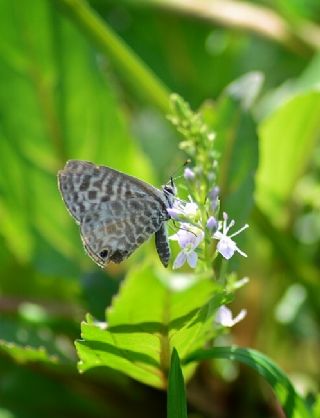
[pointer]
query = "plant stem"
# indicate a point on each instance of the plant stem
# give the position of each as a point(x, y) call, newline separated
point(141, 79)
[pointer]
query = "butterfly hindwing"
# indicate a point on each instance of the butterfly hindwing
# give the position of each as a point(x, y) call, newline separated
point(118, 228)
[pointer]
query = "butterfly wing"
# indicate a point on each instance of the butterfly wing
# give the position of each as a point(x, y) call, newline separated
point(85, 187)
point(116, 212)
point(112, 234)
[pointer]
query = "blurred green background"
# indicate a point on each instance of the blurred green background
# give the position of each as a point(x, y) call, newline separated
point(61, 97)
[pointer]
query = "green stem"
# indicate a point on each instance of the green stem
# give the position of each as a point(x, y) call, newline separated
point(132, 68)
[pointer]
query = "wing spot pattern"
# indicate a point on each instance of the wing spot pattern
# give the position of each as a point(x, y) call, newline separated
point(116, 212)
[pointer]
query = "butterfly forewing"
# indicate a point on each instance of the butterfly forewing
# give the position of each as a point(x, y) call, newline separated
point(116, 212)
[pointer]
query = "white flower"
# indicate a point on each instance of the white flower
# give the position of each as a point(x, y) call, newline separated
point(191, 208)
point(188, 239)
point(224, 317)
point(182, 210)
point(226, 246)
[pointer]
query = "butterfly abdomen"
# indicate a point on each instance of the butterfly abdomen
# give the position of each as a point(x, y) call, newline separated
point(162, 245)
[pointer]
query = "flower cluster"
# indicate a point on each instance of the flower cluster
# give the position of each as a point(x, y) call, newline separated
point(191, 232)
point(203, 231)
point(199, 215)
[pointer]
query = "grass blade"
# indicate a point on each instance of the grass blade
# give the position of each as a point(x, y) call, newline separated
point(176, 401)
point(293, 405)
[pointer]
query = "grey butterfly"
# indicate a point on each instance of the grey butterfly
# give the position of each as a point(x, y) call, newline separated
point(116, 212)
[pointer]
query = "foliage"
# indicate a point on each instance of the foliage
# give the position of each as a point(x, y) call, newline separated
point(139, 336)
point(176, 404)
point(82, 81)
point(292, 404)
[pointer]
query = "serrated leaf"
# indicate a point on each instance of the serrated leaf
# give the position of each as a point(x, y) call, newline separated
point(146, 319)
point(176, 398)
point(293, 404)
point(25, 354)
point(29, 338)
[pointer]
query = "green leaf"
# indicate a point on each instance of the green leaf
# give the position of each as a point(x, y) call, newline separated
point(310, 77)
point(152, 313)
point(128, 64)
point(176, 401)
point(316, 407)
point(62, 106)
point(287, 140)
point(6, 413)
point(46, 389)
point(13, 197)
point(25, 354)
point(292, 403)
point(29, 338)
point(308, 80)
point(237, 143)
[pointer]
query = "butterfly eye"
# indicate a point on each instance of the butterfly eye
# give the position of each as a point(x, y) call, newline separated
point(103, 254)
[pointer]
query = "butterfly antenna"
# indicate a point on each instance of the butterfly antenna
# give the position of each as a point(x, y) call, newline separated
point(188, 161)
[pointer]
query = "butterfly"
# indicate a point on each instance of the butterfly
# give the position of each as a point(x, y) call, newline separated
point(116, 212)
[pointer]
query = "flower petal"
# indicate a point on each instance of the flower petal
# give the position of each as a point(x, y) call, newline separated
point(191, 209)
point(240, 316)
point(199, 237)
point(186, 238)
point(226, 247)
point(192, 259)
point(224, 316)
point(180, 260)
point(174, 213)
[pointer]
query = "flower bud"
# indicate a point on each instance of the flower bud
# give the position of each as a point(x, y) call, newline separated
point(189, 174)
point(212, 223)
